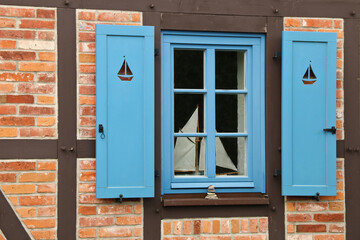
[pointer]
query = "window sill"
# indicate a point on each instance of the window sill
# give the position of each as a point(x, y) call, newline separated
point(172, 200)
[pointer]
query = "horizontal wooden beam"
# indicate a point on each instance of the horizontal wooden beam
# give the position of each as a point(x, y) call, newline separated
point(28, 149)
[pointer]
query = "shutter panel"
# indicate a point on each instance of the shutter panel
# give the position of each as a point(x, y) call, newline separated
point(125, 110)
point(308, 107)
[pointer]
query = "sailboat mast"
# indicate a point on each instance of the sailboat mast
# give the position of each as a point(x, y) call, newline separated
point(197, 140)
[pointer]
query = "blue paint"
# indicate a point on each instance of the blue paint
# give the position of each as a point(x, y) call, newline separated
point(125, 157)
point(254, 46)
point(308, 153)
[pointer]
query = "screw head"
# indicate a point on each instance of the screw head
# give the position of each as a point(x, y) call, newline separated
point(152, 5)
point(276, 10)
point(353, 13)
point(66, 2)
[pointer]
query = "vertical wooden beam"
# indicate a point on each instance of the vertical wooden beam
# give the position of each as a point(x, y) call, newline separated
point(67, 180)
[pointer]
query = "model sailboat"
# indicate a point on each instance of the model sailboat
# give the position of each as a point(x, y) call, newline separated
point(125, 73)
point(309, 76)
point(186, 157)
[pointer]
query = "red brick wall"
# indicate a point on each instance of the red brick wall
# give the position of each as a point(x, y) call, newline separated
point(307, 219)
point(27, 72)
point(215, 229)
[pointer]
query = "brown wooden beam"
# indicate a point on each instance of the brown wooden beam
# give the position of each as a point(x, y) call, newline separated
point(28, 149)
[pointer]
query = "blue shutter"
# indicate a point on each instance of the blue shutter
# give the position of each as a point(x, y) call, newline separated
point(125, 110)
point(308, 107)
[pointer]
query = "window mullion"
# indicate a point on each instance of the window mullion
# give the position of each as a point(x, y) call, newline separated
point(210, 112)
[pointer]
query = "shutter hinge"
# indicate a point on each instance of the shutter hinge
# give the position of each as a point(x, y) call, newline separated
point(156, 52)
point(120, 199)
point(317, 197)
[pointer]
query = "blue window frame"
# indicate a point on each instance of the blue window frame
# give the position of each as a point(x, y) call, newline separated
point(213, 114)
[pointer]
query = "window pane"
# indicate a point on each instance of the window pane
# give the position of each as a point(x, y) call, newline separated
point(189, 113)
point(189, 69)
point(230, 69)
point(230, 156)
point(189, 156)
point(230, 112)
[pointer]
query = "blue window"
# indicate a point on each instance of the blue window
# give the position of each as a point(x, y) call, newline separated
point(213, 115)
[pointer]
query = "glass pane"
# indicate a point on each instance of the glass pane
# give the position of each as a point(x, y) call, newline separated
point(189, 68)
point(189, 113)
point(230, 156)
point(230, 112)
point(229, 69)
point(189, 156)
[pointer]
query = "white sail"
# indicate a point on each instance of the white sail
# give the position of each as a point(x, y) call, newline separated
point(221, 157)
point(185, 147)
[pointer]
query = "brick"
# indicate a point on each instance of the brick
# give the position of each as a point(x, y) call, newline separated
point(114, 209)
point(87, 187)
point(330, 217)
point(87, 121)
point(87, 210)
point(17, 12)
point(87, 58)
point(7, 177)
point(45, 121)
point(339, 53)
point(7, 66)
point(290, 228)
point(167, 228)
point(329, 237)
point(338, 23)
point(138, 209)
point(235, 226)
point(18, 188)
point(225, 226)
point(7, 22)
point(187, 228)
point(87, 176)
point(340, 185)
point(291, 22)
point(339, 164)
point(337, 228)
point(299, 217)
point(242, 238)
point(244, 226)
point(114, 16)
point(17, 121)
point(311, 207)
point(17, 55)
point(46, 77)
point(46, 211)
point(339, 195)
point(91, 199)
point(215, 238)
point(26, 212)
point(47, 56)
point(2, 98)
point(136, 17)
point(8, 132)
point(87, 233)
point(311, 228)
point(7, 44)
point(83, 47)
point(46, 165)
point(7, 87)
point(290, 206)
point(258, 237)
point(87, 165)
point(86, 37)
point(37, 177)
point(339, 33)
point(38, 24)
point(254, 227)
point(317, 23)
point(36, 67)
point(90, 100)
point(37, 132)
point(177, 226)
point(43, 234)
point(263, 225)
point(336, 206)
point(45, 99)
point(6, 109)
point(95, 221)
point(36, 110)
point(86, 15)
point(129, 220)
point(39, 223)
point(87, 69)
point(17, 34)
point(45, 13)
point(17, 166)
point(46, 35)
point(87, 79)
point(339, 93)
point(20, 99)
point(86, 26)
point(216, 226)
point(87, 133)
point(115, 232)
point(206, 226)
point(46, 188)
point(87, 90)
point(138, 232)
point(197, 226)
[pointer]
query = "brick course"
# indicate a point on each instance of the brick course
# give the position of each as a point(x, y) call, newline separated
point(27, 56)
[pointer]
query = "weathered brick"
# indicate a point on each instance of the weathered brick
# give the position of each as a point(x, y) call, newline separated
point(8, 132)
point(235, 226)
point(311, 228)
point(86, 26)
point(299, 217)
point(114, 16)
point(87, 133)
point(36, 67)
point(7, 23)
point(46, 77)
point(311, 207)
point(83, 47)
point(37, 177)
point(37, 132)
point(17, 55)
point(45, 99)
point(167, 228)
point(46, 211)
point(91, 199)
point(18, 188)
point(95, 221)
point(17, 12)
point(36, 200)
point(87, 69)
point(129, 220)
point(17, 121)
point(290, 206)
point(87, 233)
point(46, 35)
point(115, 209)
point(225, 226)
point(7, 44)
point(329, 237)
point(86, 15)
point(45, 121)
point(263, 225)
point(17, 166)
point(6, 109)
point(87, 210)
point(43, 234)
point(45, 13)
point(7, 177)
point(336, 206)
point(87, 58)
point(39, 223)
point(291, 22)
point(197, 226)
point(136, 17)
point(89, 100)
point(87, 90)
point(206, 226)
point(338, 23)
point(87, 121)
point(17, 34)
point(337, 228)
point(187, 227)
point(317, 23)
point(36, 110)
point(115, 232)
point(290, 228)
point(87, 165)
point(46, 188)
point(86, 37)
point(7, 87)
point(20, 99)
point(7, 66)
point(177, 227)
point(38, 24)
point(244, 225)
point(87, 187)
point(138, 209)
point(329, 217)
point(254, 227)
point(26, 212)
point(216, 226)
point(87, 176)
point(47, 56)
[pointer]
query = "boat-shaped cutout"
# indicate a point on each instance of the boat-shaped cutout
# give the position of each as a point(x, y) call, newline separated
point(309, 76)
point(125, 73)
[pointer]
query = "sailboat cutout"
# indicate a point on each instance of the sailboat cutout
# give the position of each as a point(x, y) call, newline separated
point(186, 149)
point(309, 76)
point(125, 73)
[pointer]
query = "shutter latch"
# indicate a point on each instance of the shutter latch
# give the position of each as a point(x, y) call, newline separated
point(332, 130)
point(101, 130)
